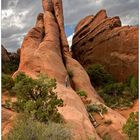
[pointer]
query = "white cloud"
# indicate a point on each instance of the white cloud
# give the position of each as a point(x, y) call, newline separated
point(11, 18)
point(70, 40)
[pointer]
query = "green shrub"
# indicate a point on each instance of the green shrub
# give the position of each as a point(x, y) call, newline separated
point(120, 95)
point(29, 129)
point(7, 82)
point(70, 73)
point(81, 93)
point(10, 67)
point(98, 108)
point(131, 126)
point(118, 101)
point(7, 104)
point(132, 86)
point(20, 77)
point(98, 75)
point(37, 98)
point(114, 89)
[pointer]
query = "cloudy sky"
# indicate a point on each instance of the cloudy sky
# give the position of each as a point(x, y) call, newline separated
point(18, 16)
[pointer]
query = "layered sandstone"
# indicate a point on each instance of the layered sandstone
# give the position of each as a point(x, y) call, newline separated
point(45, 50)
point(102, 40)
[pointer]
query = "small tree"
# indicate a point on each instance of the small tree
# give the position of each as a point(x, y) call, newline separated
point(37, 98)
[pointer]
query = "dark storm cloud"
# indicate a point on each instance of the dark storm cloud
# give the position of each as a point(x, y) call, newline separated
point(18, 16)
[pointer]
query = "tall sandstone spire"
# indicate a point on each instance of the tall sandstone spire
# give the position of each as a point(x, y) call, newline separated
point(45, 50)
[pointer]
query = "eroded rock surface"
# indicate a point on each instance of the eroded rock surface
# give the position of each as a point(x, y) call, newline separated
point(101, 39)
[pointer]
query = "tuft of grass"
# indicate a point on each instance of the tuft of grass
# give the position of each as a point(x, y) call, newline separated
point(81, 93)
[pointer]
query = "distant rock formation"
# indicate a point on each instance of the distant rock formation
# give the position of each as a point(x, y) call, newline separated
point(45, 50)
point(5, 54)
point(10, 61)
point(102, 39)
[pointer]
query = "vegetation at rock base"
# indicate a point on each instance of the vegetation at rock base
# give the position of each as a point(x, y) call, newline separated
point(131, 126)
point(7, 82)
point(115, 94)
point(26, 128)
point(98, 108)
point(120, 95)
point(98, 75)
point(132, 86)
point(81, 93)
point(11, 66)
point(37, 98)
point(70, 73)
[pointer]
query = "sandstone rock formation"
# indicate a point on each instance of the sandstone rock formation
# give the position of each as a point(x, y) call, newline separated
point(101, 39)
point(9, 56)
point(45, 50)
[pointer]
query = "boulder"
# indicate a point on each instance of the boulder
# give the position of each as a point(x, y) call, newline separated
point(102, 40)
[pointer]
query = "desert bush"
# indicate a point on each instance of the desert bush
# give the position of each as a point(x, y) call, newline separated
point(98, 75)
point(119, 95)
point(70, 73)
point(132, 86)
point(114, 89)
point(98, 108)
point(10, 67)
point(81, 93)
point(7, 82)
point(30, 129)
point(131, 126)
point(37, 98)
point(118, 101)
